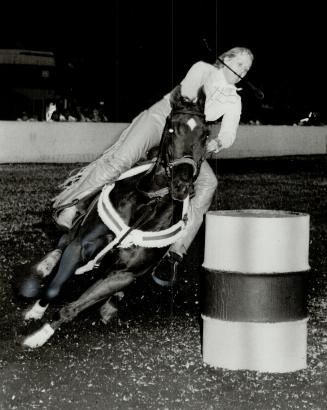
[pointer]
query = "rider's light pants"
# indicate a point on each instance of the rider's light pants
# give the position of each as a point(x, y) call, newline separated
point(139, 137)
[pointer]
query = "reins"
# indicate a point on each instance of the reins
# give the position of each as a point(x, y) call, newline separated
point(95, 263)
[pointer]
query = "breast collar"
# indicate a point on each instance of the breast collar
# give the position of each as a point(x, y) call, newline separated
point(148, 239)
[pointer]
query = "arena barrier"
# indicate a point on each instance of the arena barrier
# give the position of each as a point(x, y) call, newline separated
point(70, 142)
point(56, 142)
point(255, 290)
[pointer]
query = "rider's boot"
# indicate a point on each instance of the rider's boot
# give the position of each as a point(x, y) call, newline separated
point(66, 217)
point(166, 272)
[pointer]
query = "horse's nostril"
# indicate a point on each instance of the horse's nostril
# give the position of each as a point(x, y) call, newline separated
point(181, 189)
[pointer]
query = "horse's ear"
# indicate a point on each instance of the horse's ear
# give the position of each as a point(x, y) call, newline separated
point(175, 95)
point(201, 98)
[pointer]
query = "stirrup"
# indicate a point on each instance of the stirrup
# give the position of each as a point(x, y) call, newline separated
point(175, 260)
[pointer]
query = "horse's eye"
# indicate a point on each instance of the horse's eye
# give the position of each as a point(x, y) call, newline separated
point(170, 130)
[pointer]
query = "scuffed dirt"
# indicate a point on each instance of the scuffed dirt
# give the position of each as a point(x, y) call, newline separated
point(149, 357)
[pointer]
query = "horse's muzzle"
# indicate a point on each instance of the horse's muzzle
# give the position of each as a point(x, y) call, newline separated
point(182, 181)
point(180, 190)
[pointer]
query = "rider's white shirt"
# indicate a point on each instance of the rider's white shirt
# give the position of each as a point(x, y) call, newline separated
point(222, 99)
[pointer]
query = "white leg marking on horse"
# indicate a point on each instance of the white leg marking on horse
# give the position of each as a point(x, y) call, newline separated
point(46, 265)
point(36, 312)
point(39, 337)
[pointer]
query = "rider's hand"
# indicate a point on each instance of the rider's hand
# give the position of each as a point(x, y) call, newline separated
point(214, 146)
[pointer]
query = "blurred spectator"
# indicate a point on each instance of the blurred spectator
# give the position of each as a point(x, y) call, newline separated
point(78, 114)
point(26, 117)
point(101, 110)
point(23, 117)
point(57, 116)
point(50, 110)
point(68, 116)
point(95, 115)
point(311, 119)
point(61, 109)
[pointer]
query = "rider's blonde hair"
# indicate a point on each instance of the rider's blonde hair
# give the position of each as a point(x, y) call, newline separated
point(233, 52)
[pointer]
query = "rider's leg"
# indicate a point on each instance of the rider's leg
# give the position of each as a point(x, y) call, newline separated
point(140, 136)
point(66, 217)
point(205, 187)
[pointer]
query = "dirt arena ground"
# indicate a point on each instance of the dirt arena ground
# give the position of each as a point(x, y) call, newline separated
point(150, 356)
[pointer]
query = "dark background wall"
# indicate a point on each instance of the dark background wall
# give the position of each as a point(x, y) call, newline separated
point(130, 53)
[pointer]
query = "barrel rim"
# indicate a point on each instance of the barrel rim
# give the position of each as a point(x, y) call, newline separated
point(233, 272)
point(258, 213)
point(304, 320)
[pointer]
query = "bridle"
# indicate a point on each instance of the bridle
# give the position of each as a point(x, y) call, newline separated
point(163, 156)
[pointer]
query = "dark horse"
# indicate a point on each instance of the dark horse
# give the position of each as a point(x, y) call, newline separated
point(132, 231)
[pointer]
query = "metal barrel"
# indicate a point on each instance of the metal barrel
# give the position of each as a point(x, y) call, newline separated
point(254, 306)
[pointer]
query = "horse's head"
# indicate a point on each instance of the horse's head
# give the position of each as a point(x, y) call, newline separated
point(183, 145)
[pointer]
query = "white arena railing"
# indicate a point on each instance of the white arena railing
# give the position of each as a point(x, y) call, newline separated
point(82, 142)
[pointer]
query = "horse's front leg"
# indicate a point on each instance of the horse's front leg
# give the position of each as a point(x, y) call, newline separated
point(46, 265)
point(99, 291)
point(31, 284)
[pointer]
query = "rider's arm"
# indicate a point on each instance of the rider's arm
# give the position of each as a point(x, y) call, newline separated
point(194, 79)
point(229, 125)
point(227, 132)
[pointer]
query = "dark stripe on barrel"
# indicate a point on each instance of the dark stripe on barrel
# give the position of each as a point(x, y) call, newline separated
point(243, 297)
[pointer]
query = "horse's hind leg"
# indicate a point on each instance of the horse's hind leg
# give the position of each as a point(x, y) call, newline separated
point(99, 291)
point(31, 284)
point(109, 310)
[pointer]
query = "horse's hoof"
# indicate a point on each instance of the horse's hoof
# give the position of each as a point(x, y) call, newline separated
point(36, 312)
point(108, 311)
point(30, 287)
point(39, 337)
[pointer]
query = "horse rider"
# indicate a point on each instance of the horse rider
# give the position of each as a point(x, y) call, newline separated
point(222, 103)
